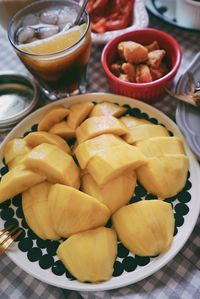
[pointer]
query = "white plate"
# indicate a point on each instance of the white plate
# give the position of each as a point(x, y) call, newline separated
point(187, 116)
point(140, 20)
point(186, 212)
point(166, 11)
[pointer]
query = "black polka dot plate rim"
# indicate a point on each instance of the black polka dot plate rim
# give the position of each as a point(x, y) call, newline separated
point(38, 257)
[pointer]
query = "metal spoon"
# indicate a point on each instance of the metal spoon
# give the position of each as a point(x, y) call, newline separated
point(79, 16)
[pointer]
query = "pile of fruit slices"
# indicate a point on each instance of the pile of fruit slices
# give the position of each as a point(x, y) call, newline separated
point(71, 192)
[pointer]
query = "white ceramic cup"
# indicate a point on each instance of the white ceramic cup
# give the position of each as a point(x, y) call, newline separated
point(188, 13)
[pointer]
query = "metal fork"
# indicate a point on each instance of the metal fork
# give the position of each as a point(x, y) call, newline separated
point(7, 236)
point(192, 97)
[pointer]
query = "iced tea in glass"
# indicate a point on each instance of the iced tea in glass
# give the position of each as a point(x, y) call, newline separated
point(52, 48)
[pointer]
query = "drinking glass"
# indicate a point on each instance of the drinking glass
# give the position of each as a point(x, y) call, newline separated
point(60, 69)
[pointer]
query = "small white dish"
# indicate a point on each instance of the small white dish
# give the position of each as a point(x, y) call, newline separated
point(166, 11)
point(187, 116)
point(38, 257)
point(188, 13)
point(140, 20)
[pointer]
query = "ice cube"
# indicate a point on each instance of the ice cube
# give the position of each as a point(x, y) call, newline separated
point(49, 17)
point(25, 34)
point(46, 31)
point(66, 15)
point(29, 20)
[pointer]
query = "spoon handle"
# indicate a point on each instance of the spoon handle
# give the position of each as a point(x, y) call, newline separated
point(78, 18)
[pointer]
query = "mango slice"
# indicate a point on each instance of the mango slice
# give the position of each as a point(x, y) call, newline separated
point(52, 117)
point(15, 162)
point(18, 180)
point(36, 212)
point(98, 125)
point(164, 176)
point(90, 255)
point(145, 131)
point(54, 163)
point(112, 162)
point(78, 113)
point(107, 108)
point(132, 121)
point(14, 151)
point(73, 211)
point(158, 146)
point(63, 130)
point(35, 138)
point(146, 227)
point(114, 194)
point(89, 148)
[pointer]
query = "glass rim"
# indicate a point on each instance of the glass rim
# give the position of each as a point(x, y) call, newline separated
point(13, 19)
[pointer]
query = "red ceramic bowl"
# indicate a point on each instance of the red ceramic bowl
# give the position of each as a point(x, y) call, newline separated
point(151, 91)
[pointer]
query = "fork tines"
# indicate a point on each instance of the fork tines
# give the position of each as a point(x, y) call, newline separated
point(7, 236)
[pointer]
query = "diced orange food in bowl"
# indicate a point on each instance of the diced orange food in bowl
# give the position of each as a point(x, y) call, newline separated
point(141, 63)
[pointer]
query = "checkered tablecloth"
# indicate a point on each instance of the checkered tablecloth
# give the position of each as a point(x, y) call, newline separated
point(178, 279)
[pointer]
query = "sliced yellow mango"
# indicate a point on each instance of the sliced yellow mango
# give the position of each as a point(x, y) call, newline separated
point(63, 130)
point(35, 138)
point(114, 194)
point(17, 161)
point(97, 125)
point(112, 162)
point(78, 113)
point(54, 163)
point(18, 180)
point(15, 147)
point(52, 117)
point(107, 108)
point(131, 121)
point(89, 148)
point(36, 211)
point(145, 131)
point(158, 146)
point(146, 227)
point(90, 255)
point(73, 211)
point(164, 176)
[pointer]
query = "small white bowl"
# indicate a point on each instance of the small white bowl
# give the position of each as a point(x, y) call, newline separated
point(188, 13)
